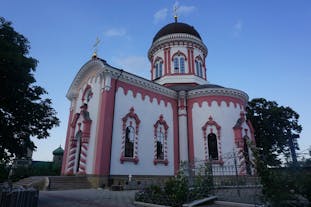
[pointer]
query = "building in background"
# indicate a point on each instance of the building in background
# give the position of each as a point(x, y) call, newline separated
point(58, 156)
point(121, 124)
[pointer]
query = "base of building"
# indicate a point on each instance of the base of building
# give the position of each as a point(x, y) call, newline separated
point(128, 182)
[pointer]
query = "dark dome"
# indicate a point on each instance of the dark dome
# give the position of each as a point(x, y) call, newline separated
point(176, 27)
point(58, 151)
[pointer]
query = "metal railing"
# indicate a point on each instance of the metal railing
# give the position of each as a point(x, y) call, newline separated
point(18, 197)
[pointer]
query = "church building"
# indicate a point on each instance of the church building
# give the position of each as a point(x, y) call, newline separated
point(121, 124)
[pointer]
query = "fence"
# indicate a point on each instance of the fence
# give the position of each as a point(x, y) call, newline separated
point(227, 182)
point(18, 197)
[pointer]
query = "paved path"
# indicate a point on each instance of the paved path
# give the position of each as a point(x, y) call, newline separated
point(90, 198)
point(86, 198)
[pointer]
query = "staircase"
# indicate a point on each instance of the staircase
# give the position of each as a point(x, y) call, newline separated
point(38, 182)
point(68, 182)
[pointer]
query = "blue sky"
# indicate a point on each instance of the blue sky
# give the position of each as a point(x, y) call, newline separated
point(260, 47)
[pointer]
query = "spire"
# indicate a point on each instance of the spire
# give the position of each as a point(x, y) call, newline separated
point(175, 12)
point(95, 47)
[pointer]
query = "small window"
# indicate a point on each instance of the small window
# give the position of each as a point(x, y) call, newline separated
point(179, 63)
point(212, 146)
point(158, 69)
point(176, 65)
point(160, 144)
point(129, 142)
point(89, 96)
point(199, 68)
point(182, 65)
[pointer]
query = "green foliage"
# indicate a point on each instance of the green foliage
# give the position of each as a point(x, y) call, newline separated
point(38, 169)
point(4, 172)
point(23, 111)
point(283, 186)
point(178, 190)
point(274, 125)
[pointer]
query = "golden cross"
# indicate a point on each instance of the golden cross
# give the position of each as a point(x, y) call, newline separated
point(176, 7)
point(95, 46)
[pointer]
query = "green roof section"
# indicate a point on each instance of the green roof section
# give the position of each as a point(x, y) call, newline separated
point(58, 151)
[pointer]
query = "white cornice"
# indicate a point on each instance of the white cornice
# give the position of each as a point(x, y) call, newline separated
point(181, 79)
point(218, 92)
point(141, 82)
point(101, 68)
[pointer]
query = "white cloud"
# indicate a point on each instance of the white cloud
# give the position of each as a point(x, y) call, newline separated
point(138, 65)
point(237, 28)
point(115, 32)
point(182, 9)
point(160, 15)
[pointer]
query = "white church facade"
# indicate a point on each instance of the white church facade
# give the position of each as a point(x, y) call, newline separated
point(121, 124)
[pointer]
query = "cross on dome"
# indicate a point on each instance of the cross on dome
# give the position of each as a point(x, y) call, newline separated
point(95, 47)
point(176, 7)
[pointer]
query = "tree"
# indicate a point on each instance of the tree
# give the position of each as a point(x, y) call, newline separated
point(274, 126)
point(24, 113)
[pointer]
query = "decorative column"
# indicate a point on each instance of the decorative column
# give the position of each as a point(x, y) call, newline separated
point(169, 70)
point(105, 125)
point(84, 139)
point(165, 61)
point(183, 128)
point(151, 69)
point(73, 146)
point(190, 60)
point(72, 156)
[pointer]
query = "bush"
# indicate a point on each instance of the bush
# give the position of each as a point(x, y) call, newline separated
point(177, 191)
point(287, 186)
point(4, 172)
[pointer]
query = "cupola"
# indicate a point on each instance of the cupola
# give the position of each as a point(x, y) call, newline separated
point(177, 56)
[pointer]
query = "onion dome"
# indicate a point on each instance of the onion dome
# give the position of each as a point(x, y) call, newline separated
point(176, 27)
point(58, 151)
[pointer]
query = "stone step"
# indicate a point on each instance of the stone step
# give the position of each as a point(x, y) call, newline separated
point(68, 182)
point(34, 181)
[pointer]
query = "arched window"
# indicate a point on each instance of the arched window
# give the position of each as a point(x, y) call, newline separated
point(158, 68)
point(160, 141)
point(87, 94)
point(129, 141)
point(212, 141)
point(182, 65)
point(176, 65)
point(212, 146)
point(199, 69)
point(130, 130)
point(179, 63)
point(160, 145)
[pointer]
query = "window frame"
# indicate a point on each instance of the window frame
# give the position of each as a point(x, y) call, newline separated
point(160, 127)
point(211, 126)
point(179, 63)
point(130, 119)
